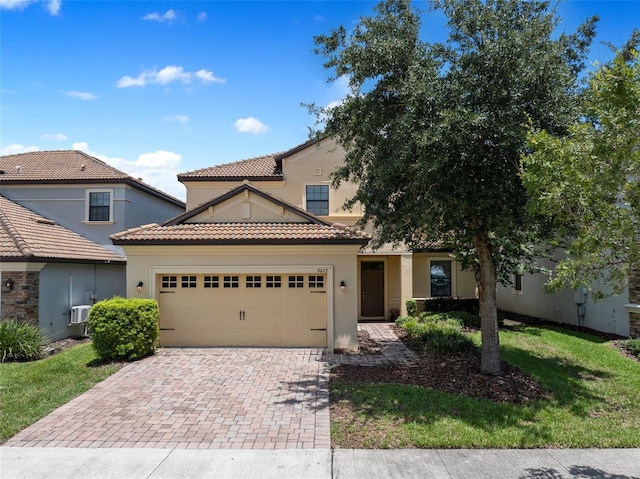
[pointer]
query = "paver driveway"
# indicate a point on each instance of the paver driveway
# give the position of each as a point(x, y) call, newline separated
point(199, 398)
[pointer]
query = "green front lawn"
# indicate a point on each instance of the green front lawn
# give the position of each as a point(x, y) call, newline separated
point(594, 402)
point(30, 391)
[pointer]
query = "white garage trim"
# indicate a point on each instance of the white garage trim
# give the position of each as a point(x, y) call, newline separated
point(154, 271)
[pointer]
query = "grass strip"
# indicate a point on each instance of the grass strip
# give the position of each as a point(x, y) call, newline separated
point(31, 390)
point(595, 402)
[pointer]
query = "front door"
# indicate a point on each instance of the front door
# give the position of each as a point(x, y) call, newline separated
point(372, 289)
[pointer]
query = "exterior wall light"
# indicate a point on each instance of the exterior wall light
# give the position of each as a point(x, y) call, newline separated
point(139, 286)
point(7, 285)
point(343, 286)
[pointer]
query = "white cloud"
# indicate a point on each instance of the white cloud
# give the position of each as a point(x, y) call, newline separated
point(250, 125)
point(202, 16)
point(55, 136)
point(168, 74)
point(81, 95)
point(168, 16)
point(52, 6)
point(16, 148)
point(158, 169)
point(177, 118)
point(207, 77)
point(172, 73)
point(319, 18)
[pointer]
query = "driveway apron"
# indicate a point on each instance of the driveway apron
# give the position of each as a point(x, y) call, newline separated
point(198, 399)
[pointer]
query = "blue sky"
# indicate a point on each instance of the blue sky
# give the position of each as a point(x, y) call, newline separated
point(156, 88)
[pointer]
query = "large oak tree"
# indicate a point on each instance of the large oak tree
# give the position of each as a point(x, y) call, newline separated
point(434, 133)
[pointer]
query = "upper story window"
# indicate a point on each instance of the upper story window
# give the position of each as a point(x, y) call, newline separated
point(317, 197)
point(99, 205)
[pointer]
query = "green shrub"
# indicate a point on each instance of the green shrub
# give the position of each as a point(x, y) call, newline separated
point(412, 307)
point(633, 345)
point(437, 332)
point(402, 320)
point(20, 341)
point(124, 328)
point(468, 319)
point(445, 337)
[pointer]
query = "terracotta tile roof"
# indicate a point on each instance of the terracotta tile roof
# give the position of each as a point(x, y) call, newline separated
point(68, 166)
point(241, 233)
point(261, 168)
point(27, 236)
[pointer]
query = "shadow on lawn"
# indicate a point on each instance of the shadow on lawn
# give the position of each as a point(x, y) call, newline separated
point(567, 384)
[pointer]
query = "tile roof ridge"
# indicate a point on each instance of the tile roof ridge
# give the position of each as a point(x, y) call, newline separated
point(233, 163)
point(133, 230)
point(15, 236)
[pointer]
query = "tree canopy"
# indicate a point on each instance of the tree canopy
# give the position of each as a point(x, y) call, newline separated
point(587, 183)
point(434, 132)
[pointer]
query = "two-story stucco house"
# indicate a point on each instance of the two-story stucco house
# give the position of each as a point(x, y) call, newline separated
point(58, 210)
point(266, 256)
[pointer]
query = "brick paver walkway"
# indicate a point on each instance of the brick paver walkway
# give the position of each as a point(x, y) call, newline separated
point(392, 350)
point(198, 398)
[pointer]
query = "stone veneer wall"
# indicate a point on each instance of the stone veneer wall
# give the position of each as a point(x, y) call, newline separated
point(23, 301)
point(634, 298)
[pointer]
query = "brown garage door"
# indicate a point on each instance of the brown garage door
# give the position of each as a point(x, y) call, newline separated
point(286, 310)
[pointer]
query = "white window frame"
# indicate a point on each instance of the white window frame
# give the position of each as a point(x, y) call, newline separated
point(304, 197)
point(87, 205)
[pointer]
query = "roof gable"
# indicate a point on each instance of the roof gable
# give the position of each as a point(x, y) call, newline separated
point(69, 167)
point(278, 223)
point(27, 236)
point(228, 208)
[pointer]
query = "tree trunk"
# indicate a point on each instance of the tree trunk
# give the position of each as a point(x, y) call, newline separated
point(490, 358)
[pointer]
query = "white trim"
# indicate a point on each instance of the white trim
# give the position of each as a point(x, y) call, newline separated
point(632, 308)
point(87, 197)
point(154, 271)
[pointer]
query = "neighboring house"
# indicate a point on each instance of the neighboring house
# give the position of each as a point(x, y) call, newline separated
point(526, 295)
point(266, 256)
point(90, 198)
point(83, 193)
point(46, 269)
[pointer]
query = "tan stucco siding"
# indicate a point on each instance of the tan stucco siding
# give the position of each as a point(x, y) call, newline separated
point(199, 192)
point(247, 207)
point(340, 261)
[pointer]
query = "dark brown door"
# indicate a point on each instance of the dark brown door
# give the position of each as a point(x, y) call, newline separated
point(372, 289)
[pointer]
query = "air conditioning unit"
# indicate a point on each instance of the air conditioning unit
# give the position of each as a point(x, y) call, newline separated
point(80, 314)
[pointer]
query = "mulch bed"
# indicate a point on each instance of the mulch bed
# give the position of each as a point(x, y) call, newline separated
point(56, 347)
point(459, 373)
point(456, 374)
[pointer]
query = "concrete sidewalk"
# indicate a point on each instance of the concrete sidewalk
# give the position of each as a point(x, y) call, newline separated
point(100, 463)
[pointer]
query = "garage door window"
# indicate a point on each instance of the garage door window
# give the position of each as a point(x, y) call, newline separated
point(316, 281)
point(296, 281)
point(212, 282)
point(254, 281)
point(169, 281)
point(189, 282)
point(274, 282)
point(231, 282)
